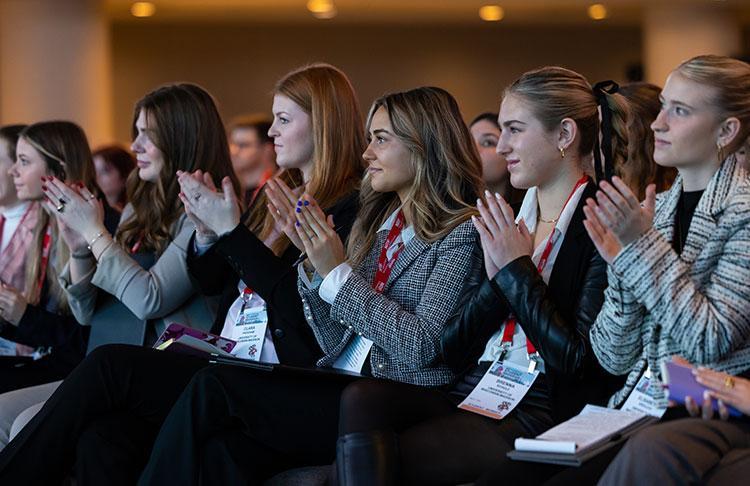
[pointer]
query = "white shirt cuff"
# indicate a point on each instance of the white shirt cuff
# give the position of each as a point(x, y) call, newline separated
point(201, 249)
point(333, 282)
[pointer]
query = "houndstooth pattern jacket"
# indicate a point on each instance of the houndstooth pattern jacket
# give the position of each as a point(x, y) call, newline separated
point(406, 320)
point(697, 304)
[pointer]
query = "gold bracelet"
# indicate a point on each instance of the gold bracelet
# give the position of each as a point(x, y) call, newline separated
point(94, 239)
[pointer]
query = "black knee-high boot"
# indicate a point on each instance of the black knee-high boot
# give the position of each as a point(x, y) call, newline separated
point(367, 459)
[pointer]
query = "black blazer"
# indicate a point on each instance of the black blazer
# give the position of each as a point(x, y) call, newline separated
point(556, 318)
point(242, 255)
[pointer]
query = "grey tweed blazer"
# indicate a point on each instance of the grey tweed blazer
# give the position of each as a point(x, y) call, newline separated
point(405, 322)
point(697, 304)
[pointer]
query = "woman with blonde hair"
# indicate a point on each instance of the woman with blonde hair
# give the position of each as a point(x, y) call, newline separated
point(112, 426)
point(33, 307)
point(376, 309)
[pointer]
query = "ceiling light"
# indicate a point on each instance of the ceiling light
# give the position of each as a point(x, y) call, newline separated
point(322, 9)
point(491, 13)
point(598, 11)
point(143, 9)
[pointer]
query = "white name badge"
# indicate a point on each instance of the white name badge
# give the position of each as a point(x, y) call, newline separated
point(250, 332)
point(647, 397)
point(500, 390)
point(354, 355)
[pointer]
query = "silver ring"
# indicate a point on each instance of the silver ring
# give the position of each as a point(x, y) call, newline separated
point(91, 196)
point(63, 200)
point(61, 207)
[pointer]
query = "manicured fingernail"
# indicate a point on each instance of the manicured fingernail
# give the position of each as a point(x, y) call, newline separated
point(296, 223)
point(298, 210)
point(44, 188)
point(497, 195)
point(487, 193)
point(42, 178)
point(299, 203)
point(479, 202)
point(706, 395)
point(307, 203)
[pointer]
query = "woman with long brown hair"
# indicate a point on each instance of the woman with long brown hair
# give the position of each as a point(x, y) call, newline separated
point(126, 400)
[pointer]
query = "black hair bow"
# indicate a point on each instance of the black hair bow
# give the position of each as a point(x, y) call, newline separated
point(605, 171)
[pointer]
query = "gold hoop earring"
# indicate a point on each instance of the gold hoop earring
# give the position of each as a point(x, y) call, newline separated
point(719, 152)
point(562, 152)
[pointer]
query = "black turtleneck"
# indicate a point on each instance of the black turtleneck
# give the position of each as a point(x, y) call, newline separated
point(683, 216)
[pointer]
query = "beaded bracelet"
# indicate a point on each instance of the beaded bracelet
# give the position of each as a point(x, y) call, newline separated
point(94, 239)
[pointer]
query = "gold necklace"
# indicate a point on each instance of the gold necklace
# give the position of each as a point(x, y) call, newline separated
point(548, 221)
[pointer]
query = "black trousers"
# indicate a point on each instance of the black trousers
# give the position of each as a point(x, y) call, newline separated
point(234, 425)
point(16, 373)
point(438, 443)
point(104, 416)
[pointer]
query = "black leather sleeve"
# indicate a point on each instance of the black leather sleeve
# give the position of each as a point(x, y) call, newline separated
point(563, 345)
point(479, 313)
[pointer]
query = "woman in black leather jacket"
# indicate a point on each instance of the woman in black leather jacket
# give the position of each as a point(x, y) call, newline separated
point(543, 273)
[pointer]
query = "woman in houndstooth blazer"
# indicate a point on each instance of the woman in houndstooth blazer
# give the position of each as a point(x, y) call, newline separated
point(413, 435)
point(411, 251)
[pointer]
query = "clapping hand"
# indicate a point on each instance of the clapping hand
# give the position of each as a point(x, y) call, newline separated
point(502, 240)
point(210, 210)
point(78, 212)
point(12, 304)
point(282, 202)
point(321, 243)
point(616, 218)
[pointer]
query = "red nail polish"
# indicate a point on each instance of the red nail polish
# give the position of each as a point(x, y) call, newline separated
point(44, 188)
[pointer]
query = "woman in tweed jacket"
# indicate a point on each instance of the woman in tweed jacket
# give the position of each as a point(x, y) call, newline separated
point(673, 291)
point(679, 264)
point(421, 161)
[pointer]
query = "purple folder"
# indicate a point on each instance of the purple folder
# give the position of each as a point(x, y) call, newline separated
point(681, 384)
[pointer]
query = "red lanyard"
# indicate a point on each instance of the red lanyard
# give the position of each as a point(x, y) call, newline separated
point(247, 294)
point(510, 323)
point(46, 245)
point(385, 264)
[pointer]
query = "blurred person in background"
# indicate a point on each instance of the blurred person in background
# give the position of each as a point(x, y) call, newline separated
point(253, 156)
point(486, 132)
point(113, 165)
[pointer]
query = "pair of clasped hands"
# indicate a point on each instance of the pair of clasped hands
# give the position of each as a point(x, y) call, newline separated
point(296, 215)
point(613, 220)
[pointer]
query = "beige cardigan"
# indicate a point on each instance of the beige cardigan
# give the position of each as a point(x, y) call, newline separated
point(165, 293)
